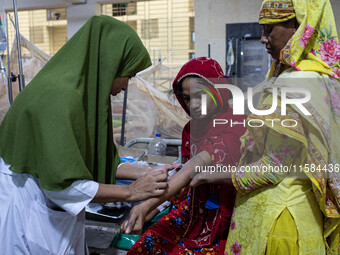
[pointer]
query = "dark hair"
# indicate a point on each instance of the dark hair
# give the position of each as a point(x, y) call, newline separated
point(178, 90)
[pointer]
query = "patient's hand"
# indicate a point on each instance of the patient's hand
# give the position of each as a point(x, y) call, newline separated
point(211, 178)
point(134, 225)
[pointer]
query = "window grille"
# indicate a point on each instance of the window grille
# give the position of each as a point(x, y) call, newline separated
point(166, 27)
point(42, 28)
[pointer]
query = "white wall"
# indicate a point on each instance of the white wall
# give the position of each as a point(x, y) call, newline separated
point(211, 17)
point(36, 4)
point(336, 10)
point(78, 14)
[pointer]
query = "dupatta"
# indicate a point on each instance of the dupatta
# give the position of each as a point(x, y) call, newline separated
point(59, 128)
point(314, 49)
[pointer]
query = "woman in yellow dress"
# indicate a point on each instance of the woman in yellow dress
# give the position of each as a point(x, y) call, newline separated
point(293, 207)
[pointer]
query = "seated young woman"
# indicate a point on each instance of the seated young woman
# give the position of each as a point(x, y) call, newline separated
point(199, 218)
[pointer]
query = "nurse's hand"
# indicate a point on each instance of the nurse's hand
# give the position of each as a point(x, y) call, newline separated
point(152, 184)
point(134, 225)
point(166, 168)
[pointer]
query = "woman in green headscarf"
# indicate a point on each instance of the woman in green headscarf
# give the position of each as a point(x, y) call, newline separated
point(56, 143)
point(288, 179)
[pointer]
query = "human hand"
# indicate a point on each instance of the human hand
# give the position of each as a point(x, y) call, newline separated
point(199, 179)
point(152, 184)
point(166, 168)
point(211, 178)
point(134, 225)
point(151, 214)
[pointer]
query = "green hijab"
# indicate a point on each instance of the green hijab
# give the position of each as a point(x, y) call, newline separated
point(59, 128)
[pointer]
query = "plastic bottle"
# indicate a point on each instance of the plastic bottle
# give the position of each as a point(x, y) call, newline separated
point(157, 146)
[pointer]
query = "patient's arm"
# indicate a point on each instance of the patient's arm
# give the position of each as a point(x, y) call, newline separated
point(132, 172)
point(180, 180)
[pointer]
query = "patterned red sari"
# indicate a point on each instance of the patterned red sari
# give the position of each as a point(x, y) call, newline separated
point(199, 220)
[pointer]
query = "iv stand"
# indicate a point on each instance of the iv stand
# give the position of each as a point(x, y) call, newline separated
point(21, 75)
point(9, 79)
point(11, 76)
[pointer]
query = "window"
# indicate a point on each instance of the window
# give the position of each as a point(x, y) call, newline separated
point(192, 55)
point(191, 32)
point(166, 27)
point(57, 37)
point(149, 28)
point(37, 34)
point(36, 27)
point(191, 6)
point(119, 9)
point(122, 9)
point(132, 8)
point(133, 24)
point(56, 14)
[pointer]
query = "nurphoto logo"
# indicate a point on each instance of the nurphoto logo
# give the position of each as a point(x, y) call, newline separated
point(238, 105)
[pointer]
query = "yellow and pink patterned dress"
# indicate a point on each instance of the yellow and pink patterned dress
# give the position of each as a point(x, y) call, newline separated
point(294, 211)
